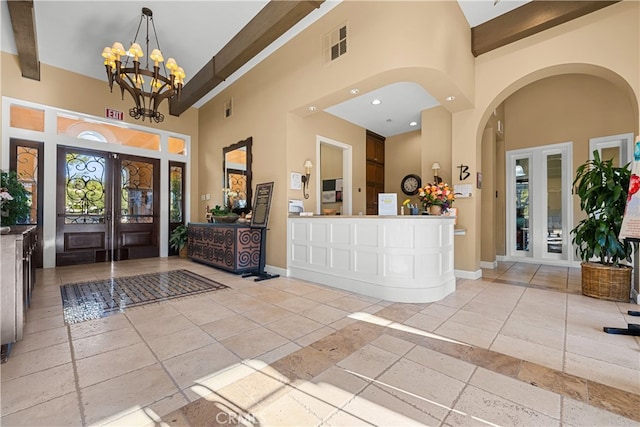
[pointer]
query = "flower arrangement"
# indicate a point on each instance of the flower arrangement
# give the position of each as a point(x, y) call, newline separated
point(436, 195)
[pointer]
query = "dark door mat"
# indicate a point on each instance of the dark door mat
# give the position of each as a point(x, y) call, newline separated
point(93, 300)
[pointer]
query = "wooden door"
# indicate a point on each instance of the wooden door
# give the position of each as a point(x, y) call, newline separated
point(374, 170)
point(108, 207)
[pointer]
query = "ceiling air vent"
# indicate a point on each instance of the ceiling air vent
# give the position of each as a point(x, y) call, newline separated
point(335, 43)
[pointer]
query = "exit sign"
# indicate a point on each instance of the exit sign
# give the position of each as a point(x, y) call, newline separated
point(113, 114)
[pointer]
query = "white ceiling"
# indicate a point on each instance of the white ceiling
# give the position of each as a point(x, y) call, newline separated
point(71, 35)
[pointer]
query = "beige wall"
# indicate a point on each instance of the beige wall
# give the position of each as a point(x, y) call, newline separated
point(567, 108)
point(402, 156)
point(605, 43)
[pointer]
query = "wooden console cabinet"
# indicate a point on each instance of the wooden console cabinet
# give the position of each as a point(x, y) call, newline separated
point(231, 247)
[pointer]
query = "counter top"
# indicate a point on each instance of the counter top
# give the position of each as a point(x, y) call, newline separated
point(375, 216)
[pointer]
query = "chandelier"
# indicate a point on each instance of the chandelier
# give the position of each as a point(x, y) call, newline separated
point(131, 77)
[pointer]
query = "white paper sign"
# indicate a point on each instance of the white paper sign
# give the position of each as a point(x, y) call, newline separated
point(387, 204)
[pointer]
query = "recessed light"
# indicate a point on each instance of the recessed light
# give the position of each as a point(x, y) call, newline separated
point(413, 124)
point(376, 102)
point(389, 120)
point(354, 91)
point(450, 98)
point(311, 108)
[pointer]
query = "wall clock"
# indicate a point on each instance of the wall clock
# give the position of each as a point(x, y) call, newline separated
point(411, 184)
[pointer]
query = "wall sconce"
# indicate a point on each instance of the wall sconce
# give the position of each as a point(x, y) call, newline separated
point(306, 177)
point(436, 167)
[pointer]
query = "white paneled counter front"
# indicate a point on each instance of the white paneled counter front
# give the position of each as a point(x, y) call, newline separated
point(396, 258)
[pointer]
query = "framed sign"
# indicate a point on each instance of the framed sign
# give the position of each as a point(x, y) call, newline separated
point(261, 205)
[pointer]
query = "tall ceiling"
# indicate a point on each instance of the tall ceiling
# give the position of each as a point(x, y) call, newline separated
point(71, 34)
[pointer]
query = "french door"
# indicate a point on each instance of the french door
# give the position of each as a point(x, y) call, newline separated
point(107, 206)
point(539, 203)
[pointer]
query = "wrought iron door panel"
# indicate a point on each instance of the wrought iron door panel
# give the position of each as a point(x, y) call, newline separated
point(91, 186)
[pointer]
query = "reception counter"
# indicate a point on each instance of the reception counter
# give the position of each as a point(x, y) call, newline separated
point(395, 258)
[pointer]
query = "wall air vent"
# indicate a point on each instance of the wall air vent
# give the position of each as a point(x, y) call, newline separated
point(335, 43)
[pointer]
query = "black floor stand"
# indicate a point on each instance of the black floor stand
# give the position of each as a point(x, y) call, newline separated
point(632, 329)
point(262, 275)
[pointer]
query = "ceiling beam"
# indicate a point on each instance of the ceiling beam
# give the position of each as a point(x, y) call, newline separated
point(276, 18)
point(23, 21)
point(529, 19)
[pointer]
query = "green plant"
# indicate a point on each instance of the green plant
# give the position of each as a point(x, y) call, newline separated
point(602, 189)
point(178, 238)
point(15, 202)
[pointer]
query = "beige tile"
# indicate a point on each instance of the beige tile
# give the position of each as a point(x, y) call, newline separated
point(336, 386)
point(406, 381)
point(44, 324)
point(294, 326)
point(575, 413)
point(168, 346)
point(35, 361)
point(554, 380)
point(239, 302)
point(30, 390)
point(369, 361)
point(614, 400)
point(279, 352)
point(99, 326)
point(314, 336)
point(378, 406)
point(103, 366)
point(477, 320)
point(349, 304)
point(478, 407)
point(325, 314)
point(603, 372)
point(163, 326)
point(344, 419)
point(392, 344)
point(553, 338)
point(441, 363)
point(40, 340)
point(542, 401)
point(600, 350)
point(139, 388)
point(102, 343)
point(325, 295)
point(254, 343)
point(526, 350)
point(188, 368)
point(424, 322)
point(201, 310)
point(287, 411)
point(60, 411)
point(466, 333)
point(267, 314)
point(229, 326)
point(149, 312)
point(297, 304)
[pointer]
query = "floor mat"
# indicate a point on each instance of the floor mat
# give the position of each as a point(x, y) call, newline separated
point(93, 300)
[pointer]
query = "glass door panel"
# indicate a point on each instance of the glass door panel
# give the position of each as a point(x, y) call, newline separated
point(176, 198)
point(555, 234)
point(539, 193)
point(522, 204)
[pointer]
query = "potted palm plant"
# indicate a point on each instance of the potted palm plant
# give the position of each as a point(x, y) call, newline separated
point(602, 189)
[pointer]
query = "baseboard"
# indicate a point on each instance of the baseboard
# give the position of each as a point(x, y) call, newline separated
point(490, 265)
point(471, 275)
point(501, 258)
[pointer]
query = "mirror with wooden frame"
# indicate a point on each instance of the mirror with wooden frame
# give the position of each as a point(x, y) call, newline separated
point(236, 167)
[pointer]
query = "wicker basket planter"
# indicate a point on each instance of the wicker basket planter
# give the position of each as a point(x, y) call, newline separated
point(606, 282)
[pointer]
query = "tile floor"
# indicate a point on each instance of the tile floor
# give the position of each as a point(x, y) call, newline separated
point(519, 347)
